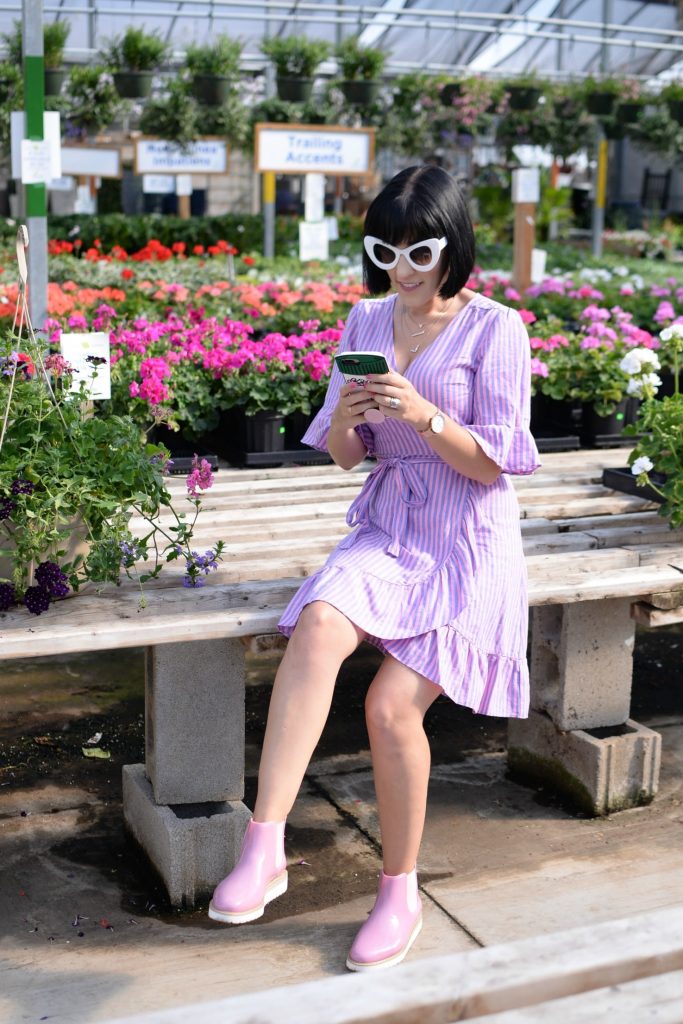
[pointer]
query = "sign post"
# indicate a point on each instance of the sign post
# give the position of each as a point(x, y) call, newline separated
point(35, 153)
point(315, 151)
point(598, 221)
point(525, 196)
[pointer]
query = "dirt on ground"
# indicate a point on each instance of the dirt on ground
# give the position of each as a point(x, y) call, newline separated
point(57, 712)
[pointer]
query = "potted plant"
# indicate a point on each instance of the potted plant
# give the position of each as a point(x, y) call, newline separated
point(601, 94)
point(296, 59)
point(11, 98)
point(656, 463)
point(90, 99)
point(672, 96)
point(361, 69)
point(133, 58)
point(55, 34)
point(173, 116)
point(213, 69)
point(524, 92)
point(65, 471)
point(631, 102)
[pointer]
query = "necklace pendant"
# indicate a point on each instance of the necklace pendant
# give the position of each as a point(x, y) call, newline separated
point(416, 334)
point(416, 349)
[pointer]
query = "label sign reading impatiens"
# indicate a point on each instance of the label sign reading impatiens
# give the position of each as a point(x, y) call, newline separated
point(321, 149)
point(157, 156)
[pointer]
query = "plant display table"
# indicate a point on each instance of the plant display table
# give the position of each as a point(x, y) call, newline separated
point(597, 561)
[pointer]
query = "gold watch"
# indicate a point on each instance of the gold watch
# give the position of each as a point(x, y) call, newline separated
point(436, 424)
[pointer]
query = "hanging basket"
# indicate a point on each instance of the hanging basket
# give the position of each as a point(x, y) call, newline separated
point(676, 110)
point(133, 85)
point(600, 104)
point(627, 113)
point(54, 80)
point(522, 97)
point(450, 92)
point(360, 93)
point(294, 90)
point(212, 90)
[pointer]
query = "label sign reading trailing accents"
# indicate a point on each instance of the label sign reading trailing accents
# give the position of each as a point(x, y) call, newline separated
point(301, 149)
point(157, 156)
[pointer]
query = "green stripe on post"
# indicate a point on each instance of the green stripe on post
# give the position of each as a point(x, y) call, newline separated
point(34, 90)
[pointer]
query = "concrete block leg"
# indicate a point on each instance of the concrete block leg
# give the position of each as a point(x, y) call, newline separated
point(192, 846)
point(194, 720)
point(184, 805)
point(581, 663)
point(597, 770)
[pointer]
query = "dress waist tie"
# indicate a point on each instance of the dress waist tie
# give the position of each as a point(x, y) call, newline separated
point(411, 491)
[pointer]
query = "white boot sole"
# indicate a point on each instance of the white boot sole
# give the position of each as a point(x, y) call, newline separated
point(390, 961)
point(275, 888)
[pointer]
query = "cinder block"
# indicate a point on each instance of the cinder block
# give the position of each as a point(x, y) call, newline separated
point(581, 663)
point(192, 847)
point(599, 771)
point(194, 708)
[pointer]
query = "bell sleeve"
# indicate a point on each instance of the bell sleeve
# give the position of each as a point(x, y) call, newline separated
point(316, 435)
point(502, 396)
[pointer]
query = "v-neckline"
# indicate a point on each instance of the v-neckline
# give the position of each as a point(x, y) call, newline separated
point(432, 343)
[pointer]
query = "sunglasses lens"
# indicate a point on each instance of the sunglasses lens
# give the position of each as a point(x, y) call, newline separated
point(382, 255)
point(422, 256)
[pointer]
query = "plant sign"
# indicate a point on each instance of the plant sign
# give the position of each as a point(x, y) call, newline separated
point(88, 355)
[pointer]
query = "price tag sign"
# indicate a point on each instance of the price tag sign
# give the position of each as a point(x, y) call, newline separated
point(314, 241)
point(35, 161)
point(88, 354)
point(526, 185)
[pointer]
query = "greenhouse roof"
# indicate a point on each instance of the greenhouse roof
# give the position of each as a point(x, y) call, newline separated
point(563, 37)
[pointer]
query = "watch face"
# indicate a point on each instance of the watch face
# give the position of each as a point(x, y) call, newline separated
point(438, 423)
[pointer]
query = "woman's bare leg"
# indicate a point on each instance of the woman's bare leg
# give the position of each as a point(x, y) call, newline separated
point(395, 706)
point(300, 704)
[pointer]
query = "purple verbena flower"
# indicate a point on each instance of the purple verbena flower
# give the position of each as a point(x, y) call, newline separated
point(37, 600)
point(8, 596)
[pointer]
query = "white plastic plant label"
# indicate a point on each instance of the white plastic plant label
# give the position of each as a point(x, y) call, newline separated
point(88, 354)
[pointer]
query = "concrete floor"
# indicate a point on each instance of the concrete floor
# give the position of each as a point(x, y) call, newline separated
point(84, 932)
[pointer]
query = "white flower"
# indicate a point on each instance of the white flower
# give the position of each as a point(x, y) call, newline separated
point(621, 271)
point(637, 281)
point(638, 359)
point(666, 334)
point(642, 465)
point(635, 388)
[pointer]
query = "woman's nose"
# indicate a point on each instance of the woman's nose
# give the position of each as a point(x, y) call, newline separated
point(403, 268)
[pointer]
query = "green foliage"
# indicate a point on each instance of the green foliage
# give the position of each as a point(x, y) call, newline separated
point(173, 116)
point(614, 86)
point(90, 99)
point(659, 434)
point(359, 62)
point(135, 50)
point(295, 56)
point(55, 35)
point(230, 120)
point(657, 132)
point(221, 58)
point(673, 92)
point(11, 97)
point(75, 468)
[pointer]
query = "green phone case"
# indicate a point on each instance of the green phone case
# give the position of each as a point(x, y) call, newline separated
point(357, 364)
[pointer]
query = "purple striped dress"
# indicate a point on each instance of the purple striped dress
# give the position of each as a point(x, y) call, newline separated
point(433, 570)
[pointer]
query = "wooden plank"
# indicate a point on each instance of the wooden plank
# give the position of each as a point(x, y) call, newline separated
point(634, 582)
point(463, 986)
point(647, 615)
point(659, 998)
point(590, 507)
point(551, 567)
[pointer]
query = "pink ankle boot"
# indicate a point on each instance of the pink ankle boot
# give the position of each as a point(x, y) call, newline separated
point(258, 877)
point(392, 927)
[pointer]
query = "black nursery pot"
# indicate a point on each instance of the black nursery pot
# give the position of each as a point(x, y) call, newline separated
point(263, 432)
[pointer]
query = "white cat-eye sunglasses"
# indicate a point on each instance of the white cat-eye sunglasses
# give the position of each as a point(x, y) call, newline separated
point(422, 256)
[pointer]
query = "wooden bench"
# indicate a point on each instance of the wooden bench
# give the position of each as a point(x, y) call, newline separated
point(630, 970)
point(583, 544)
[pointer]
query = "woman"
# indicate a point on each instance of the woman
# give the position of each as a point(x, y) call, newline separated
point(433, 573)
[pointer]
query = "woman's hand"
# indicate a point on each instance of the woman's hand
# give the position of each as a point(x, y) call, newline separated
point(353, 403)
point(397, 397)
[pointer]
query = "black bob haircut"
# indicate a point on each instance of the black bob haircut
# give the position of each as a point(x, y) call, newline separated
point(420, 203)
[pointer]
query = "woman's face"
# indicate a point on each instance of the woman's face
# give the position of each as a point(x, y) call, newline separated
point(417, 288)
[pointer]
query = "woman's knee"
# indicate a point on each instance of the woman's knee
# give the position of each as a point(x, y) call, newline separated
point(386, 712)
point(321, 624)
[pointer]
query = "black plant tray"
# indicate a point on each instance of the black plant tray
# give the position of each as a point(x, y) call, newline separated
point(608, 441)
point(290, 457)
point(556, 442)
point(183, 463)
point(622, 479)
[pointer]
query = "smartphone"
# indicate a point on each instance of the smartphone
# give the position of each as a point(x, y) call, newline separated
point(354, 366)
